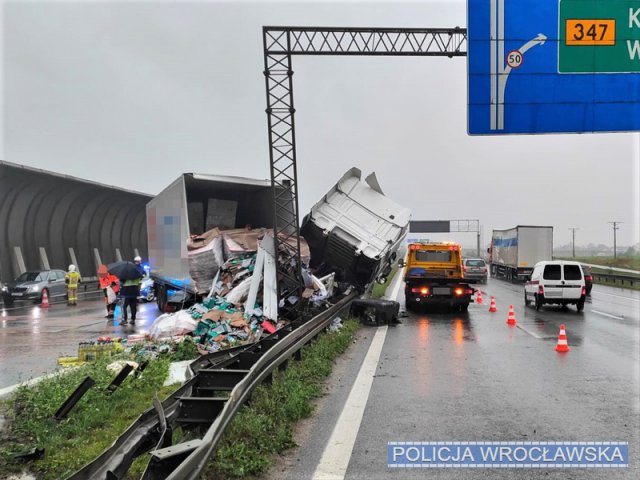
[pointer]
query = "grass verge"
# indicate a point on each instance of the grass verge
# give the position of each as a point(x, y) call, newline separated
point(91, 426)
point(631, 263)
point(264, 427)
point(379, 289)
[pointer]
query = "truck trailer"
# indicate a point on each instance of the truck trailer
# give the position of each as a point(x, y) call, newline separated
point(514, 252)
point(192, 205)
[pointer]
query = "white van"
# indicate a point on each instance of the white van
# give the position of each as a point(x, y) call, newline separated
point(558, 281)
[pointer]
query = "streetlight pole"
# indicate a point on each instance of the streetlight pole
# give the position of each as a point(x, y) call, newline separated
point(615, 228)
point(573, 243)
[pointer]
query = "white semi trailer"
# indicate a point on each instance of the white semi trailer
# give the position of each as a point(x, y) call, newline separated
point(515, 251)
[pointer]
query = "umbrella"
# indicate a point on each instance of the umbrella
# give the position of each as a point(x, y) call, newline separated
point(125, 270)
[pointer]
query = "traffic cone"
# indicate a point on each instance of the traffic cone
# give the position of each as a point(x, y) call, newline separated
point(562, 345)
point(511, 318)
point(479, 298)
point(45, 300)
point(492, 305)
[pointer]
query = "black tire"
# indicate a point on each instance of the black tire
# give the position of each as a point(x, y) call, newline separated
point(8, 302)
point(464, 307)
point(580, 305)
point(527, 302)
point(161, 296)
point(538, 301)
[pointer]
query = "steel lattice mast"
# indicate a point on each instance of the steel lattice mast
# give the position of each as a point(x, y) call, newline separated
point(280, 44)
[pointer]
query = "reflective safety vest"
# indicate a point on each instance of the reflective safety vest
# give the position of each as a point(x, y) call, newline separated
point(72, 279)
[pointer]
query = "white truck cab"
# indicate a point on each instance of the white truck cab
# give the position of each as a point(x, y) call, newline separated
point(561, 282)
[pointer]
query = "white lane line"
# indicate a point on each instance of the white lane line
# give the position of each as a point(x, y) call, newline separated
point(609, 315)
point(533, 334)
point(398, 280)
point(618, 296)
point(335, 458)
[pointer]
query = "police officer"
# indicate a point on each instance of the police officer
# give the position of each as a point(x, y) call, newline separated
point(129, 291)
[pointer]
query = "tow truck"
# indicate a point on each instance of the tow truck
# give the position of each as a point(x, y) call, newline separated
point(434, 276)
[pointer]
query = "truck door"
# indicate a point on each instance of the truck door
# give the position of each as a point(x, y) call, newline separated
point(573, 282)
point(552, 281)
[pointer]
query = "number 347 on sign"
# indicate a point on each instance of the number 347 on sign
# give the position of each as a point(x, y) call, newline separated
point(590, 32)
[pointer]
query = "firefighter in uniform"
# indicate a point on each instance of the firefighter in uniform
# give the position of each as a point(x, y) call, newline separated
point(72, 279)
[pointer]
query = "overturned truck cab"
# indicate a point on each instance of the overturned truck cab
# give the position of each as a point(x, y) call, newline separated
point(355, 230)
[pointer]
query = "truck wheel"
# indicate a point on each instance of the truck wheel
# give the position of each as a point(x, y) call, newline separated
point(527, 302)
point(580, 305)
point(161, 296)
point(538, 302)
point(464, 307)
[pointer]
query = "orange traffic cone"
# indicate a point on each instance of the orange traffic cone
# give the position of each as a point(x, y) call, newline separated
point(479, 297)
point(562, 345)
point(492, 305)
point(45, 300)
point(511, 318)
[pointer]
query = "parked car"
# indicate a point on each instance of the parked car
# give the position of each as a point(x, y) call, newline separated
point(588, 278)
point(475, 268)
point(147, 293)
point(30, 286)
point(560, 282)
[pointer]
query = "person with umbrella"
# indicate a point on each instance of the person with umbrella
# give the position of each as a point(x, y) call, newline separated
point(130, 275)
point(110, 288)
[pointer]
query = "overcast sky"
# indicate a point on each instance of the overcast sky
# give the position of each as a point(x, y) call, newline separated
point(133, 94)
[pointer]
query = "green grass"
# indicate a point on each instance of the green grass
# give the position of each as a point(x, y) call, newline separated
point(259, 430)
point(379, 289)
point(632, 263)
point(90, 427)
point(264, 427)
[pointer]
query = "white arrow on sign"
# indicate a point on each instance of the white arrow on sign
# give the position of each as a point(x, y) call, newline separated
point(504, 75)
point(498, 70)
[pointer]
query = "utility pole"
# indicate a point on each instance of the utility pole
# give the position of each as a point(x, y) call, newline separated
point(615, 228)
point(573, 233)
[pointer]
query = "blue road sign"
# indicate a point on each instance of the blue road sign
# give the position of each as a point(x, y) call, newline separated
point(553, 66)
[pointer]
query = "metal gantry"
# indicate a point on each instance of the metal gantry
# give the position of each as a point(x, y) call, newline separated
point(280, 44)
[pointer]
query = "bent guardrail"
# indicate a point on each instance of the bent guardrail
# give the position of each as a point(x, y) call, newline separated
point(194, 405)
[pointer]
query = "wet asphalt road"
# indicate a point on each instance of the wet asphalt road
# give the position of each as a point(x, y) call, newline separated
point(471, 377)
point(32, 338)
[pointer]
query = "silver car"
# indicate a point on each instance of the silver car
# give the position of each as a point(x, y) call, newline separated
point(30, 287)
point(475, 269)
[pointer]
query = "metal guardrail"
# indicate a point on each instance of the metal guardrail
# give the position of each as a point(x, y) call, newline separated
point(238, 371)
point(616, 279)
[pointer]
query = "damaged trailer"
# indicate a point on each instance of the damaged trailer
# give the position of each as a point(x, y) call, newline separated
point(184, 225)
point(355, 231)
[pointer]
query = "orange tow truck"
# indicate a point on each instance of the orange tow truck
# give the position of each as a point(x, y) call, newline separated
point(434, 276)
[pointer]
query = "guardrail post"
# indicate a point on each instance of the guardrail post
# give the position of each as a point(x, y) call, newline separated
point(118, 255)
point(72, 256)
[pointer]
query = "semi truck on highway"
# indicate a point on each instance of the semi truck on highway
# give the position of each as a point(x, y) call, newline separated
point(354, 230)
point(434, 276)
point(514, 252)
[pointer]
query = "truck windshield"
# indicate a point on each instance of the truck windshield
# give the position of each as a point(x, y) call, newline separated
point(433, 256)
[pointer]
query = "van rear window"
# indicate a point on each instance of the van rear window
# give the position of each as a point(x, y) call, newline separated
point(433, 255)
point(572, 272)
point(552, 272)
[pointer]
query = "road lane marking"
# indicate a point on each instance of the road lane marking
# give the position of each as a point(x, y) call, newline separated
point(608, 315)
point(618, 296)
point(533, 334)
point(335, 458)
